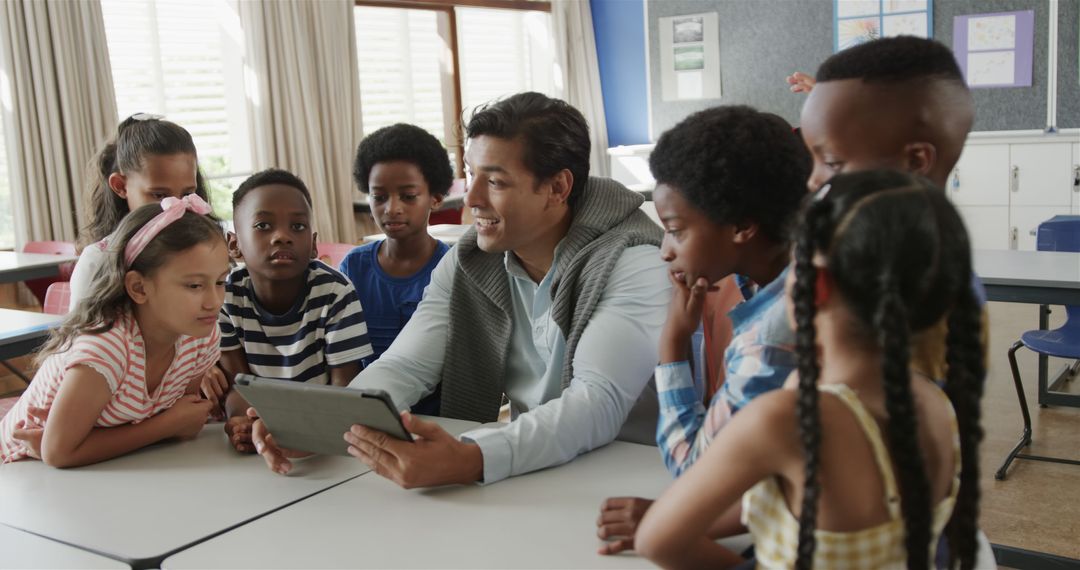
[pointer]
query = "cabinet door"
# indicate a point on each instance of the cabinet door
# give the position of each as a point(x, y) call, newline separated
point(1041, 174)
point(1025, 220)
point(981, 176)
point(987, 226)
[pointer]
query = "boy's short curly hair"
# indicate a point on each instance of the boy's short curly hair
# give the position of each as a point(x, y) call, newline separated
point(892, 60)
point(407, 143)
point(266, 178)
point(736, 165)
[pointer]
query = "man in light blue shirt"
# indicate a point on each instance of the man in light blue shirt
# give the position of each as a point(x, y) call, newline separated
point(555, 298)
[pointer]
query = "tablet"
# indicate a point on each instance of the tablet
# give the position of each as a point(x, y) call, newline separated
point(315, 417)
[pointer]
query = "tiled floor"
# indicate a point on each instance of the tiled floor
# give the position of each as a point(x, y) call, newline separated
point(1038, 506)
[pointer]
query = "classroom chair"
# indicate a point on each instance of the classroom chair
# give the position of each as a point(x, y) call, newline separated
point(449, 215)
point(332, 253)
point(1060, 233)
point(39, 286)
point(57, 298)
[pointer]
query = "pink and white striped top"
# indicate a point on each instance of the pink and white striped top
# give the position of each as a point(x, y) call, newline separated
point(119, 355)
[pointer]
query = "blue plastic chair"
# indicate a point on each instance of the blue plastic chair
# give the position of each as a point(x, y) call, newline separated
point(1060, 233)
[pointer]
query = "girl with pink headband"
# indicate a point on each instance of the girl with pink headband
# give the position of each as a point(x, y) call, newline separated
point(123, 370)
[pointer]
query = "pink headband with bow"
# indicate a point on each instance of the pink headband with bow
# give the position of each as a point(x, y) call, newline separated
point(172, 209)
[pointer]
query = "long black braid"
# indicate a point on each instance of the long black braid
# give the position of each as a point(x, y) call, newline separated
point(964, 384)
point(891, 322)
point(803, 293)
point(900, 258)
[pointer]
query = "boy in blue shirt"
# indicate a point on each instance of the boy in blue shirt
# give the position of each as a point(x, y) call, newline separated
point(406, 173)
point(285, 315)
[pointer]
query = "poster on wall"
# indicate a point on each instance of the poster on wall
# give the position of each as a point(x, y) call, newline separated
point(995, 50)
point(859, 21)
point(690, 57)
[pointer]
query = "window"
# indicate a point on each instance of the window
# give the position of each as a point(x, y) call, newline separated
point(399, 53)
point(503, 52)
point(407, 58)
point(181, 59)
point(7, 216)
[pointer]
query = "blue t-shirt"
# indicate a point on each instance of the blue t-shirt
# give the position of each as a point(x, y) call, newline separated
point(389, 302)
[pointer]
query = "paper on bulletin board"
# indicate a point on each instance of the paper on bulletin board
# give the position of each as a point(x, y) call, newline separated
point(995, 50)
point(690, 57)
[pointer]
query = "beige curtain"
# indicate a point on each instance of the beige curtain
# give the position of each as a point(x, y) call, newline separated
point(62, 107)
point(306, 102)
point(578, 76)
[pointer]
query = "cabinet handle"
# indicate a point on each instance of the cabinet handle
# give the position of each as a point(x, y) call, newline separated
point(1033, 232)
point(1015, 178)
point(1014, 238)
point(1076, 178)
point(956, 179)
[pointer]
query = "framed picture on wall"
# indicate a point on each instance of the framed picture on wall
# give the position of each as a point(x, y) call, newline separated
point(859, 21)
point(690, 57)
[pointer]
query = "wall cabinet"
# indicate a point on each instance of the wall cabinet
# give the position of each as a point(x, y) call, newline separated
point(1006, 186)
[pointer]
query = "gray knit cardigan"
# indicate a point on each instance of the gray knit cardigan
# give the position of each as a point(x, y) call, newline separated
point(606, 221)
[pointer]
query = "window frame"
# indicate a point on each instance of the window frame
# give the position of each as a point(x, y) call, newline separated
point(447, 25)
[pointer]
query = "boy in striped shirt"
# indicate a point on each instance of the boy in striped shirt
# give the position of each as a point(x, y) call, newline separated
point(286, 315)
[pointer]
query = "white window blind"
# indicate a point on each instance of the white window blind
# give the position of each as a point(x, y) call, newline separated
point(398, 52)
point(181, 59)
point(503, 52)
point(7, 215)
point(404, 63)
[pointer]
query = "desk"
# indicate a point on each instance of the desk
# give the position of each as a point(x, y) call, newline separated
point(22, 332)
point(146, 505)
point(150, 503)
point(1038, 277)
point(545, 519)
point(446, 233)
point(20, 549)
point(23, 266)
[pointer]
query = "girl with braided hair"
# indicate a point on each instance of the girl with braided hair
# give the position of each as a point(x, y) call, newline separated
point(859, 462)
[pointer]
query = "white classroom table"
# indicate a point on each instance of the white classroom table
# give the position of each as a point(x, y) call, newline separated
point(20, 549)
point(22, 266)
point(545, 519)
point(22, 332)
point(1038, 277)
point(446, 233)
point(144, 505)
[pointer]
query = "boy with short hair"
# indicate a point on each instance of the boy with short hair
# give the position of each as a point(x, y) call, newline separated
point(285, 315)
point(730, 181)
point(899, 103)
point(406, 173)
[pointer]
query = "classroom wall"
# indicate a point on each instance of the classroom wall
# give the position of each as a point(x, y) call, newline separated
point(760, 44)
point(763, 41)
point(619, 26)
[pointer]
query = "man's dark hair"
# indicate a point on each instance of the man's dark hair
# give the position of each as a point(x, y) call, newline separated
point(892, 60)
point(266, 178)
point(555, 134)
point(407, 143)
point(736, 165)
